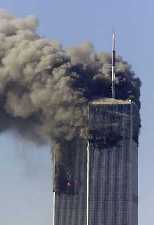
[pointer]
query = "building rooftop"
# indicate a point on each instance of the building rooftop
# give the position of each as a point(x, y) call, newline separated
point(110, 101)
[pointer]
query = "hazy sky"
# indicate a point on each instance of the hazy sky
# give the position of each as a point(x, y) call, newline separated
point(25, 182)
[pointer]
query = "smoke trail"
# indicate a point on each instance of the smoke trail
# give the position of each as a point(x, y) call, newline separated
point(45, 89)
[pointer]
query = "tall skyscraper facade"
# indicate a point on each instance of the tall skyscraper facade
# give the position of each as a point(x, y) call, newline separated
point(104, 188)
point(113, 173)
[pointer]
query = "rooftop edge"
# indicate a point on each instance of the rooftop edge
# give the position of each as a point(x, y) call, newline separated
point(110, 101)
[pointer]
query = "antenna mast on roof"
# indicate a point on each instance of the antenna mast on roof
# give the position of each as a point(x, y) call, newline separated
point(113, 63)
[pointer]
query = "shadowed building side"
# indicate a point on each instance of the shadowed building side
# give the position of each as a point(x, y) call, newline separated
point(70, 205)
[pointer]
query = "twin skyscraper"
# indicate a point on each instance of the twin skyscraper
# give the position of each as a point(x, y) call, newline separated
point(104, 190)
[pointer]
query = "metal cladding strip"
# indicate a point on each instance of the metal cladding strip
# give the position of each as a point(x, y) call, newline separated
point(97, 190)
point(54, 195)
point(74, 213)
point(114, 190)
point(122, 177)
point(100, 197)
point(108, 189)
point(88, 159)
point(53, 212)
point(91, 186)
point(67, 210)
point(124, 173)
point(130, 185)
point(93, 189)
point(100, 184)
point(127, 177)
point(123, 196)
point(123, 147)
point(62, 204)
point(81, 197)
point(57, 216)
point(112, 185)
point(104, 199)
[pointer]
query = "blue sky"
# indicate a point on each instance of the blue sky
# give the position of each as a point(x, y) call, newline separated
point(25, 175)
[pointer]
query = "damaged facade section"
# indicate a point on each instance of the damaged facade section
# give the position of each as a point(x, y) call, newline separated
point(113, 175)
point(113, 169)
point(65, 180)
point(70, 193)
point(108, 133)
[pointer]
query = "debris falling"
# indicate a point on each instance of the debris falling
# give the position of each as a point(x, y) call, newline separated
point(45, 89)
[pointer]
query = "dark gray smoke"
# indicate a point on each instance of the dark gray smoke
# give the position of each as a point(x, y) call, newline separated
point(45, 89)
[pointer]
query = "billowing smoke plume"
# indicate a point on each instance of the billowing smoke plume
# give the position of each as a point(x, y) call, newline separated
point(45, 89)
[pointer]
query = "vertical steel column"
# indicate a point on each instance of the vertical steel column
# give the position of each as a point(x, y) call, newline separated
point(88, 168)
point(54, 193)
point(88, 158)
